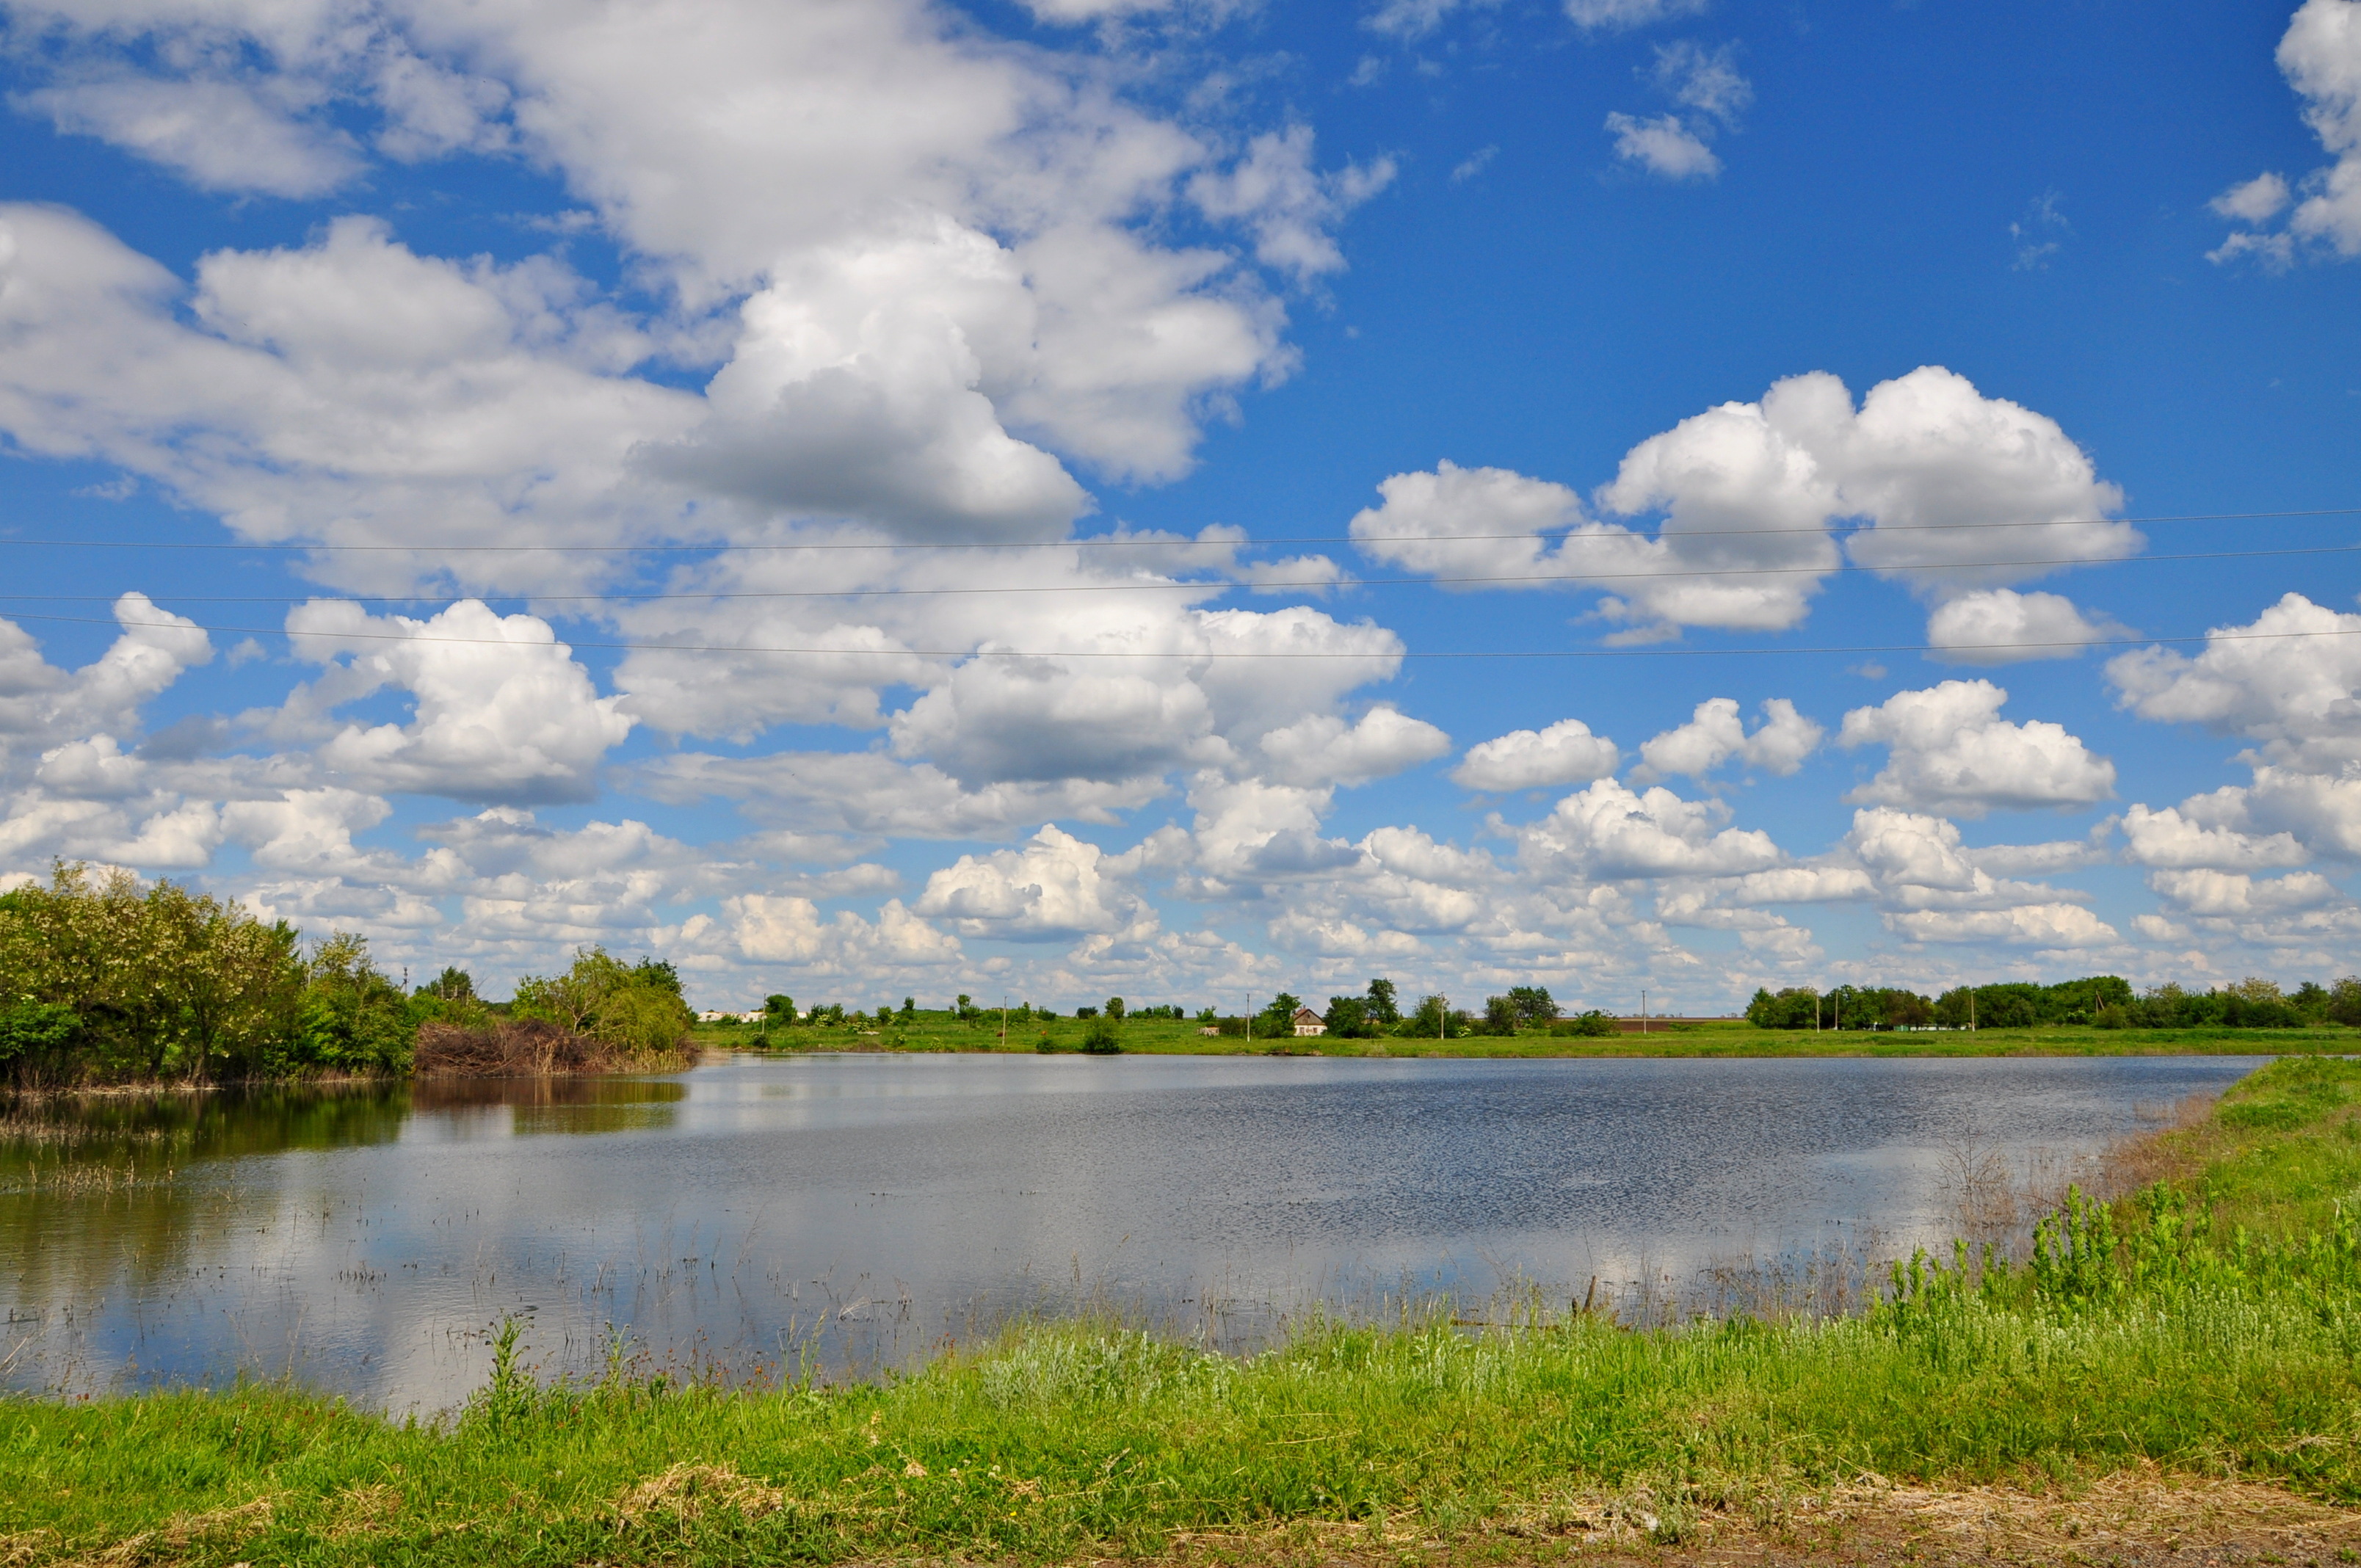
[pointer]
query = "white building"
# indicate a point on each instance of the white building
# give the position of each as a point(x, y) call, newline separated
point(1307, 1022)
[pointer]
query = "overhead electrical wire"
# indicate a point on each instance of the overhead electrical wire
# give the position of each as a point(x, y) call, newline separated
point(1108, 542)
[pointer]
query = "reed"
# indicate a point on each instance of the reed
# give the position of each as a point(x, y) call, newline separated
point(2192, 1345)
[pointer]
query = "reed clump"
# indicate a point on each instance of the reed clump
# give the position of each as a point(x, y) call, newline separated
point(528, 1047)
point(2182, 1364)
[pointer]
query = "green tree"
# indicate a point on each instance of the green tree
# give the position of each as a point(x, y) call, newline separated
point(638, 1009)
point(1348, 1018)
point(1532, 1003)
point(1383, 1009)
point(454, 984)
point(779, 1011)
point(1500, 1015)
point(1114, 1008)
point(1277, 1021)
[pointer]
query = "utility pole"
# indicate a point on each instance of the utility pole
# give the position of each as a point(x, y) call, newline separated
point(1250, 1017)
point(1971, 1010)
point(1441, 1016)
point(1643, 1009)
point(1003, 1020)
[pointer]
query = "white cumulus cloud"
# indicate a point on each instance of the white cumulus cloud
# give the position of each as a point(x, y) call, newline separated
point(1950, 751)
point(1566, 753)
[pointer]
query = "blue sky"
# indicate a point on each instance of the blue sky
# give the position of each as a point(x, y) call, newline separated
point(1855, 348)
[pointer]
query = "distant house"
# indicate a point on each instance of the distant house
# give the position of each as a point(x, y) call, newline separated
point(714, 1015)
point(1307, 1022)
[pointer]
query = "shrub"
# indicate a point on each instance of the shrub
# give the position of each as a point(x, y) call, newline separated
point(1101, 1039)
point(1592, 1024)
point(1348, 1018)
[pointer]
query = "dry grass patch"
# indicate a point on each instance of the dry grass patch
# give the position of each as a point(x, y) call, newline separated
point(685, 1491)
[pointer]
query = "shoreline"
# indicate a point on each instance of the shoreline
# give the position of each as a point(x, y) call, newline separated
point(2168, 1370)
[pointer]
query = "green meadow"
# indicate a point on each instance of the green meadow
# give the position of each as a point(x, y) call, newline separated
point(2204, 1324)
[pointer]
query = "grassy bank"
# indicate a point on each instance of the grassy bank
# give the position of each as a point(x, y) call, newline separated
point(2208, 1325)
point(942, 1031)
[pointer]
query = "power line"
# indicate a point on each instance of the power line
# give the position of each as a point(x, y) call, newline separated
point(1202, 585)
point(1108, 543)
point(991, 652)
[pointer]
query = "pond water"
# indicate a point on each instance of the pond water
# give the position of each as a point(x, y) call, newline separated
point(856, 1209)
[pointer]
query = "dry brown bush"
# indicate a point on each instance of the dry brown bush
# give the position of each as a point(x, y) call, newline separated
point(528, 1047)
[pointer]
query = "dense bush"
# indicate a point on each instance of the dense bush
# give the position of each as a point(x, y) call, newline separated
point(103, 981)
point(1100, 1039)
point(1593, 1024)
point(635, 1008)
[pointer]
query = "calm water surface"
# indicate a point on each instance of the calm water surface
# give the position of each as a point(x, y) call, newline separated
point(866, 1206)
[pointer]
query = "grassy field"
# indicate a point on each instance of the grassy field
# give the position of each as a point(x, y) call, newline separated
point(2200, 1339)
point(1158, 1037)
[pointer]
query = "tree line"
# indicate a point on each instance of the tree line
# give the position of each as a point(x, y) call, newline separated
point(2103, 1001)
point(104, 982)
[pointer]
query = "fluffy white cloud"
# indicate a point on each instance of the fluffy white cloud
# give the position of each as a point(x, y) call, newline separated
point(1663, 146)
point(1928, 458)
point(773, 929)
point(2205, 893)
point(2320, 54)
point(2286, 679)
point(1715, 734)
point(219, 135)
point(42, 705)
point(1610, 832)
point(2257, 201)
point(863, 792)
point(351, 389)
point(1455, 521)
point(959, 292)
point(2066, 926)
point(1057, 886)
point(2195, 835)
point(504, 713)
point(1567, 752)
point(1322, 749)
point(1291, 206)
point(1950, 751)
point(2000, 626)
point(1747, 491)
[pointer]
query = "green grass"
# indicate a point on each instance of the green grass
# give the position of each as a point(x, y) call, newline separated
point(2210, 1326)
point(943, 1032)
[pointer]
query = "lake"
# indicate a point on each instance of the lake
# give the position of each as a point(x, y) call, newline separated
point(859, 1209)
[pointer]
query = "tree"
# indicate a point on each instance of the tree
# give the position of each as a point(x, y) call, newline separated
point(1433, 1020)
point(1100, 1039)
point(1500, 1015)
point(1532, 1003)
point(1383, 1009)
point(454, 984)
point(1277, 1020)
point(909, 1009)
point(1348, 1018)
point(639, 1009)
point(1114, 1008)
point(1791, 1009)
point(779, 1011)
point(2344, 1001)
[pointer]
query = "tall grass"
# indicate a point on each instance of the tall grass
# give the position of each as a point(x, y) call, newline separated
point(2209, 1323)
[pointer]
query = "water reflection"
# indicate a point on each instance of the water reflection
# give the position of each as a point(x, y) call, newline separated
point(366, 1237)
